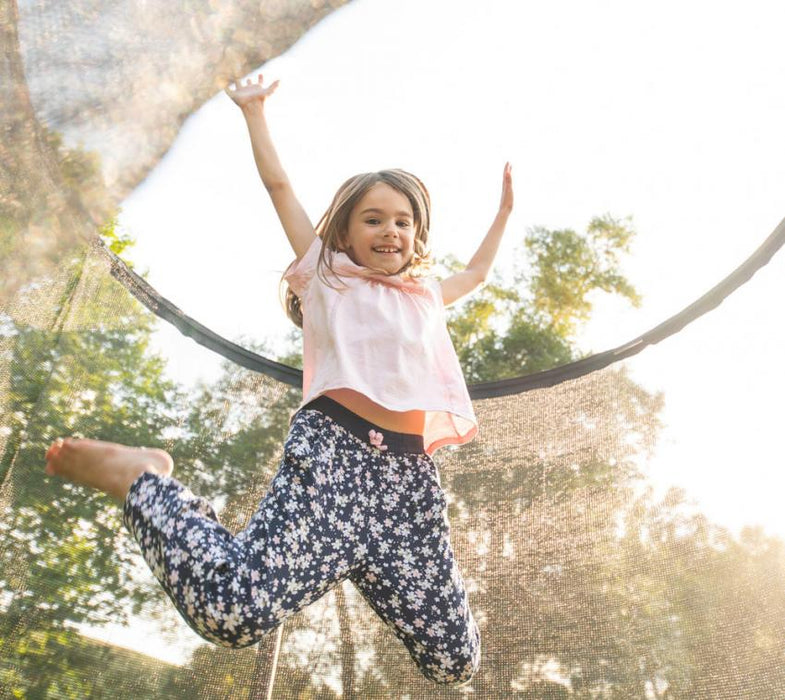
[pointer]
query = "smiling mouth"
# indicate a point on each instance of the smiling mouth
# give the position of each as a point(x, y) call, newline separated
point(386, 251)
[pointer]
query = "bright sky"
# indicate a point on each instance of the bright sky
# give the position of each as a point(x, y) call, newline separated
point(669, 112)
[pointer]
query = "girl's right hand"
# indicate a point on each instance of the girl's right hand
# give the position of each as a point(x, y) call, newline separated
point(506, 203)
point(251, 92)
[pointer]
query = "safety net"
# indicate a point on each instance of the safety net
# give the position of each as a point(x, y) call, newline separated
point(588, 580)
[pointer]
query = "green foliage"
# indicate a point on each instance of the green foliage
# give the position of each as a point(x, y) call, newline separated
point(231, 438)
point(569, 266)
point(527, 325)
point(64, 664)
point(115, 241)
point(65, 558)
point(80, 178)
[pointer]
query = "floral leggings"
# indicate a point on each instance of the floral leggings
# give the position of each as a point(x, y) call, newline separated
point(346, 502)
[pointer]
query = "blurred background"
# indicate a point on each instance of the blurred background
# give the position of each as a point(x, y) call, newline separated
point(645, 144)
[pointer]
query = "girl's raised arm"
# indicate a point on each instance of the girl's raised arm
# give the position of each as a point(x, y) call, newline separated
point(298, 227)
point(476, 272)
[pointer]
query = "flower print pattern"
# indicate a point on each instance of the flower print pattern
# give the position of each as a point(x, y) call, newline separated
point(339, 507)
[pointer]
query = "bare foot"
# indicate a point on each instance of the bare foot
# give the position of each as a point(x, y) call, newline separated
point(106, 466)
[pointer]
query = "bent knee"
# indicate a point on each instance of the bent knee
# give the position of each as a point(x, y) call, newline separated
point(453, 671)
point(234, 626)
point(215, 628)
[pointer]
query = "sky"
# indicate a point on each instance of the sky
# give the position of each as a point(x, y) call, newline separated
point(670, 113)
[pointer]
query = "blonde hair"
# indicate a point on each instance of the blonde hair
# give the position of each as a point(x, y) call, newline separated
point(334, 225)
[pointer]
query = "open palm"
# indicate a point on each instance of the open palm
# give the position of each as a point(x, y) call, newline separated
point(251, 91)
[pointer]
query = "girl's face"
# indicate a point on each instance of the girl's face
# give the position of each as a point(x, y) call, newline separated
point(381, 230)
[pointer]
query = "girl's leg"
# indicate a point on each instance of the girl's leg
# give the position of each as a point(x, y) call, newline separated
point(405, 566)
point(234, 589)
point(230, 589)
point(412, 580)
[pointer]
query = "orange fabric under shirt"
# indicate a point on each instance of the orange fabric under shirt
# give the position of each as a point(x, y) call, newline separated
point(385, 337)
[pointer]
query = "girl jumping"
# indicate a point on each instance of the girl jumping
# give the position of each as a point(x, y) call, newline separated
point(357, 495)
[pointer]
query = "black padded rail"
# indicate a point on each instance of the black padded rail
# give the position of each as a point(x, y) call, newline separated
point(166, 310)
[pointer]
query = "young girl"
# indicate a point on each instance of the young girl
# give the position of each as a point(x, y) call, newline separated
point(357, 494)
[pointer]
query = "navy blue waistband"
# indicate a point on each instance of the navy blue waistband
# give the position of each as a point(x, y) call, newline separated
point(365, 430)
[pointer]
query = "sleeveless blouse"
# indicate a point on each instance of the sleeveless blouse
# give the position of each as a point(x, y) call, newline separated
point(384, 336)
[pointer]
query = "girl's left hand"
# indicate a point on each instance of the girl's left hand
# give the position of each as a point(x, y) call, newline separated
point(506, 203)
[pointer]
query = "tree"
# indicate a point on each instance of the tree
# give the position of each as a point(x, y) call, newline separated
point(670, 605)
point(527, 324)
point(64, 557)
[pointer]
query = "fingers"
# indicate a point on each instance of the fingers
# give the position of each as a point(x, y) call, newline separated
point(249, 90)
point(507, 177)
point(270, 89)
point(248, 82)
point(238, 84)
point(506, 203)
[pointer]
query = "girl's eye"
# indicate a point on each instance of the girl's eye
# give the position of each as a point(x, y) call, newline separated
point(372, 222)
point(403, 224)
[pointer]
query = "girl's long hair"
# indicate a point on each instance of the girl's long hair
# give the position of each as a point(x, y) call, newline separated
point(334, 225)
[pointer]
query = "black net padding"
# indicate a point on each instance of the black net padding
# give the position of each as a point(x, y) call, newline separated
point(166, 310)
